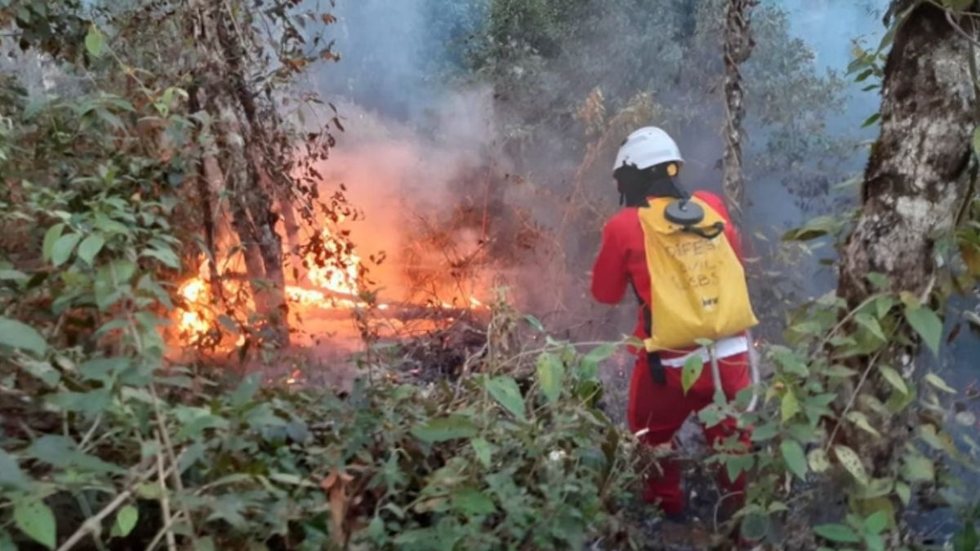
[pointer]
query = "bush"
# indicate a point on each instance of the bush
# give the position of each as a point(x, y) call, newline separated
point(481, 461)
point(103, 442)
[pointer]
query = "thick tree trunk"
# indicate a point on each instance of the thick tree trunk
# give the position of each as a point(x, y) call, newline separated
point(916, 177)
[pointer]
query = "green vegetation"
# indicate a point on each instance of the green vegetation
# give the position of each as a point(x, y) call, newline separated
point(153, 123)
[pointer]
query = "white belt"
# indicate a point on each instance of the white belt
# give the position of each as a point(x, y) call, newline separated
point(721, 349)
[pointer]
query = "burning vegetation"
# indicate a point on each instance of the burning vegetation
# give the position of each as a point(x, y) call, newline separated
point(173, 202)
point(437, 266)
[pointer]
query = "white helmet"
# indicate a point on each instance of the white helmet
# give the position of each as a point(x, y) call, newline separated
point(646, 147)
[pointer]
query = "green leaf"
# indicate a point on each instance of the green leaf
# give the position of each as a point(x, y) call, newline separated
point(904, 492)
point(116, 273)
point(861, 420)
point(50, 237)
point(10, 474)
point(789, 406)
point(551, 376)
point(874, 542)
point(927, 324)
point(103, 369)
point(21, 336)
point(876, 523)
point(95, 41)
point(166, 256)
point(63, 453)
point(883, 305)
point(850, 460)
point(840, 372)
point(13, 275)
point(864, 76)
point(794, 457)
point(125, 521)
point(765, 432)
point(90, 247)
point(693, 366)
point(918, 469)
point(755, 526)
point(738, 463)
point(446, 428)
point(508, 394)
point(871, 120)
point(976, 135)
point(814, 228)
point(839, 533)
point(778, 507)
point(939, 383)
point(880, 281)
point(790, 362)
point(875, 488)
point(893, 378)
point(63, 248)
point(818, 460)
point(483, 450)
point(712, 415)
point(35, 519)
point(472, 502)
point(245, 391)
point(591, 361)
point(871, 324)
point(535, 323)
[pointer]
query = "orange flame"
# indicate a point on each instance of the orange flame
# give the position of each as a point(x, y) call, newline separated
point(325, 287)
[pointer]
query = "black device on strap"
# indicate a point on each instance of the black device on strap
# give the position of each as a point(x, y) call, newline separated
point(712, 232)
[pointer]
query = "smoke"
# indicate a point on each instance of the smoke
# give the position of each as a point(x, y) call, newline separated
point(828, 30)
point(407, 185)
point(428, 154)
point(420, 156)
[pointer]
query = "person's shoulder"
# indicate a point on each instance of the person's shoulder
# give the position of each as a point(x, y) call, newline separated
point(709, 197)
point(624, 219)
point(714, 201)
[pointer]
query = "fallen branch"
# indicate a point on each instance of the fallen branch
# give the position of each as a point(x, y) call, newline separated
point(93, 525)
point(165, 499)
point(171, 454)
point(165, 530)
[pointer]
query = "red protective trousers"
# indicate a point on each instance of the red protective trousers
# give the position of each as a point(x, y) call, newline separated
point(662, 409)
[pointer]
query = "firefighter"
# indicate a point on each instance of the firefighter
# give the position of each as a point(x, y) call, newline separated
point(645, 171)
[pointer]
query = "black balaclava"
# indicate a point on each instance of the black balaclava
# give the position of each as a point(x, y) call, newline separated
point(636, 185)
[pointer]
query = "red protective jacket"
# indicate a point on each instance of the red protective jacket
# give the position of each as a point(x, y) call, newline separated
point(622, 258)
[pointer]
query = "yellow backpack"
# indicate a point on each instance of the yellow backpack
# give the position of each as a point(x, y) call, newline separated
point(698, 283)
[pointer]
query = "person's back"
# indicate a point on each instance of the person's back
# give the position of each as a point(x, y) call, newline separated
point(644, 170)
point(622, 261)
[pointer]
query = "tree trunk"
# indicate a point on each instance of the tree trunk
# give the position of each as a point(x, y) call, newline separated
point(916, 179)
point(738, 48)
point(917, 176)
point(232, 101)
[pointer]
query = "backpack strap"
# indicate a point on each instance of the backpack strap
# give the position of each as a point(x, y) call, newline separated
point(654, 362)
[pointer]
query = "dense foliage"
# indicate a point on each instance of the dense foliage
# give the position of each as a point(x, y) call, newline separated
point(105, 441)
point(147, 126)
